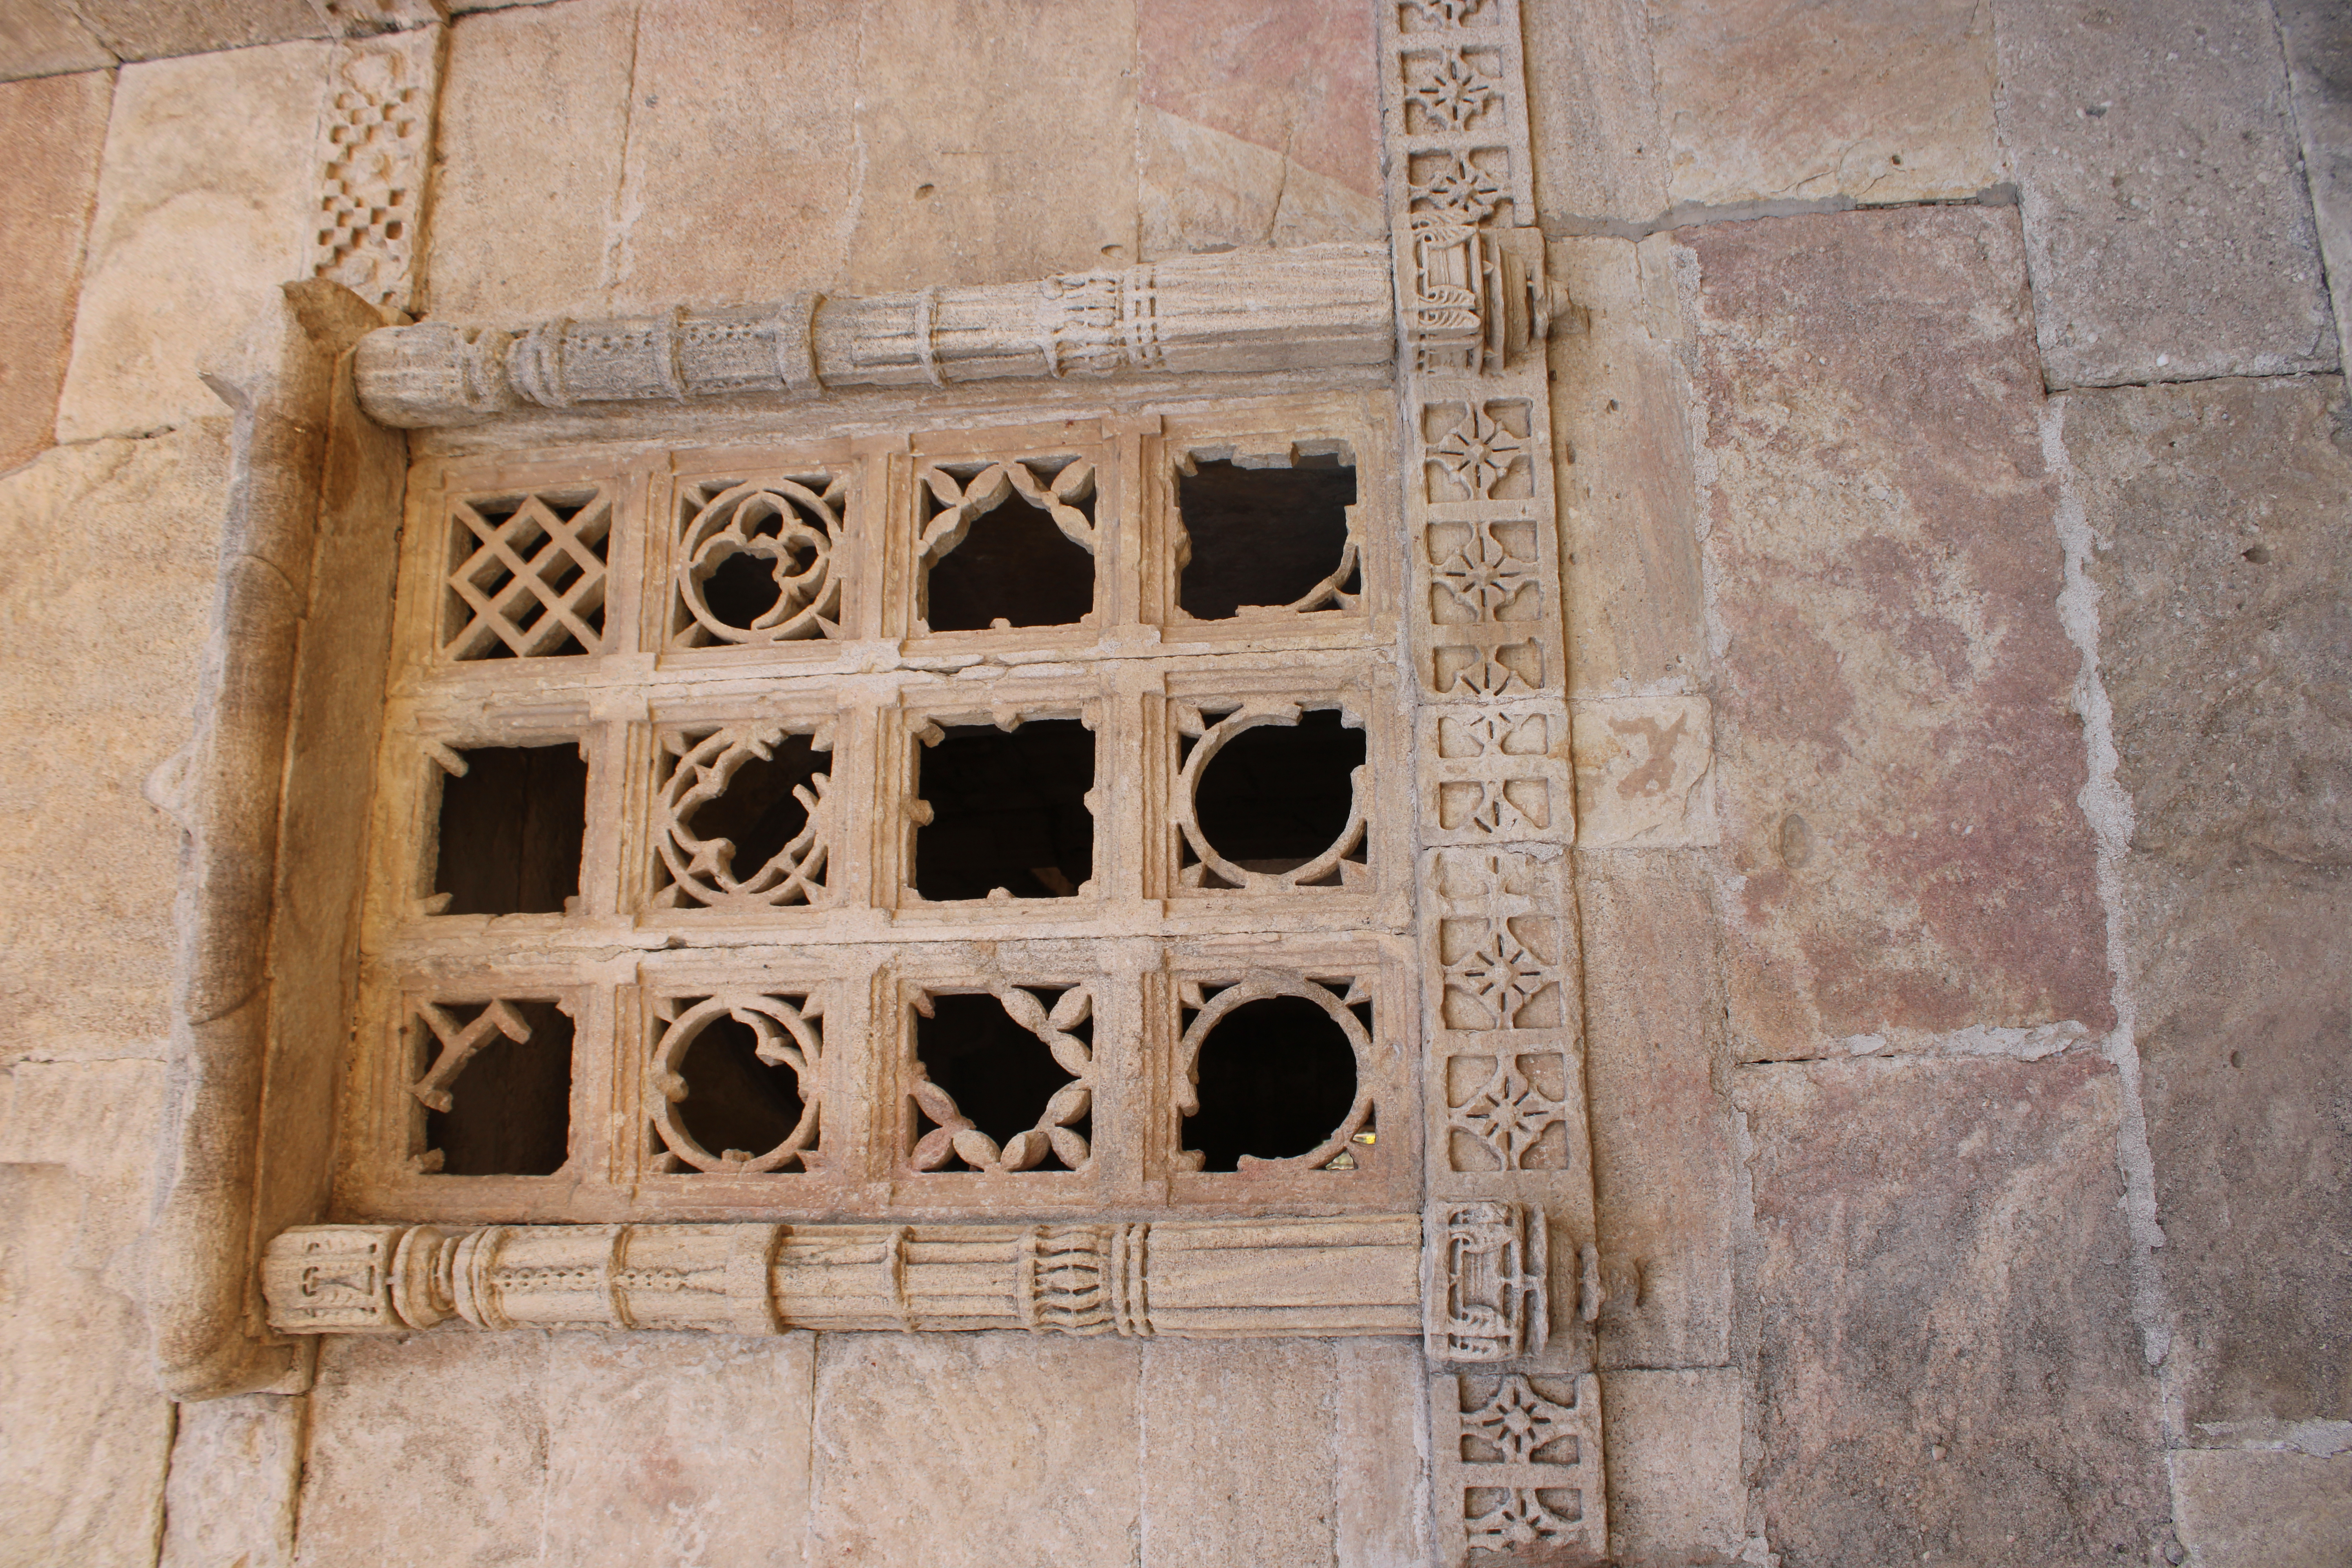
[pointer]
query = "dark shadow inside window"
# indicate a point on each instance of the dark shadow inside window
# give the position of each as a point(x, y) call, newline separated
point(734, 1100)
point(1276, 1077)
point(511, 1108)
point(757, 812)
point(1013, 564)
point(511, 828)
point(998, 1073)
point(1261, 536)
point(1276, 796)
point(1008, 810)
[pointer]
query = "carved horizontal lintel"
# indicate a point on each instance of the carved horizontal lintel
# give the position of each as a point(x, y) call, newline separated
point(1311, 307)
point(1181, 1279)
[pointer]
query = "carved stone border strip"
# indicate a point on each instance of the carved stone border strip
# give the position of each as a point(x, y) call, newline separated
point(375, 150)
point(1508, 1144)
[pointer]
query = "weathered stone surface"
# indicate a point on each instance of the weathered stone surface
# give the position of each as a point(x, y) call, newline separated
point(1665, 1160)
point(1383, 1520)
point(1897, 754)
point(544, 89)
point(1781, 101)
point(2219, 517)
point(1636, 604)
point(1022, 162)
point(2318, 38)
point(1949, 1369)
point(906, 1423)
point(1644, 772)
point(1677, 1487)
point(210, 172)
point(43, 37)
point(151, 29)
point(2242, 1510)
point(1600, 149)
point(112, 546)
point(2169, 236)
point(236, 1469)
point(1238, 1462)
point(82, 1470)
point(44, 217)
point(1201, 189)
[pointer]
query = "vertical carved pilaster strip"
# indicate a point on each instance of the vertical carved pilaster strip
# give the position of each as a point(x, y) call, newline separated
point(375, 151)
point(1509, 1177)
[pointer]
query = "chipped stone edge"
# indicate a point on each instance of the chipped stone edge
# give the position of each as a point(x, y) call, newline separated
point(225, 789)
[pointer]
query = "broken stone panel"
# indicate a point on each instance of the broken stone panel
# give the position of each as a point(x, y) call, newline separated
point(44, 218)
point(44, 38)
point(2318, 38)
point(1771, 101)
point(210, 172)
point(1020, 162)
point(543, 89)
point(1601, 148)
point(1644, 773)
point(2218, 524)
point(1620, 424)
point(1948, 1367)
point(2262, 1510)
point(1897, 756)
point(904, 1423)
point(86, 962)
point(1678, 1484)
point(2167, 225)
point(88, 1433)
point(237, 1472)
point(1665, 1160)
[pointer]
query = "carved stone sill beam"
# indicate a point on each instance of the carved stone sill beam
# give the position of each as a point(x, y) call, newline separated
point(1304, 308)
point(1184, 1279)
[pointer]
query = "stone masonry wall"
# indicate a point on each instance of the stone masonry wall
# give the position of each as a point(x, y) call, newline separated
point(1958, 491)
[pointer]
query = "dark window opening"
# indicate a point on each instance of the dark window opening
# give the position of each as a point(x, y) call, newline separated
point(511, 828)
point(511, 1106)
point(735, 1101)
point(1261, 535)
point(758, 812)
point(1276, 796)
point(1007, 811)
point(745, 586)
point(1277, 1077)
point(1014, 566)
point(998, 1073)
point(550, 562)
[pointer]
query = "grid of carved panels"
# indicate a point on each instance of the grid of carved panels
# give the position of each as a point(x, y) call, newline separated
point(588, 603)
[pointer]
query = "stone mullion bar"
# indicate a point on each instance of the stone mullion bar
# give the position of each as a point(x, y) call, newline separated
point(1184, 1279)
point(1510, 1222)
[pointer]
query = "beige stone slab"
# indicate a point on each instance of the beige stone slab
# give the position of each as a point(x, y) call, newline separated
point(2219, 519)
point(1644, 772)
point(1382, 1511)
point(2262, 1510)
point(209, 174)
point(152, 29)
point(1897, 754)
point(1677, 1489)
point(677, 1449)
point(970, 1449)
point(737, 183)
point(1299, 79)
point(456, 1476)
point(237, 1472)
point(44, 38)
point(1021, 160)
point(2167, 226)
point(1201, 189)
point(1622, 426)
point(534, 115)
point(43, 220)
point(2318, 38)
point(1783, 100)
point(1947, 1361)
point(1238, 1453)
point(110, 546)
point(1602, 152)
point(1665, 1150)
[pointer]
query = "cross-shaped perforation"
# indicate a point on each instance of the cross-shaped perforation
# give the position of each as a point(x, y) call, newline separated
point(528, 576)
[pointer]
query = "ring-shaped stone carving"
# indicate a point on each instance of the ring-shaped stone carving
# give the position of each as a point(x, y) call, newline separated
point(1304, 877)
point(1258, 986)
point(786, 1038)
point(785, 523)
point(703, 869)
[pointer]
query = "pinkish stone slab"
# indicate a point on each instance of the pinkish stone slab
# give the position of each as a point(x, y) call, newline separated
point(1898, 753)
point(1299, 78)
point(45, 207)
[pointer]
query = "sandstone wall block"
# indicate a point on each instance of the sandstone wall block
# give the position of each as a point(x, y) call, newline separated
point(237, 1474)
point(44, 38)
point(1678, 1482)
point(1949, 1371)
point(2167, 225)
point(1601, 146)
point(44, 219)
point(1897, 756)
point(2262, 1510)
point(2318, 39)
